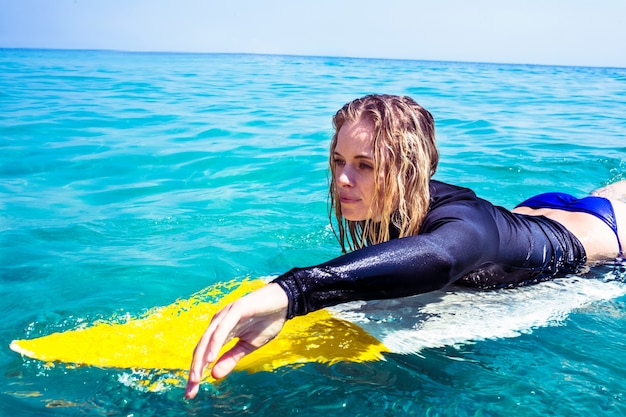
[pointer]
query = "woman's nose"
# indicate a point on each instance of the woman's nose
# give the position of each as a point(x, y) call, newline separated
point(344, 177)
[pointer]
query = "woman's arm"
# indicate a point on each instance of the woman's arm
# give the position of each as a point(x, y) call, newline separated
point(397, 268)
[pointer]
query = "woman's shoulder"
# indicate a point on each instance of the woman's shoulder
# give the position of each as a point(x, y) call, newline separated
point(442, 193)
point(451, 204)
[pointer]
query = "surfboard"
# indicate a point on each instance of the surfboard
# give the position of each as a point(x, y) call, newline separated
point(163, 339)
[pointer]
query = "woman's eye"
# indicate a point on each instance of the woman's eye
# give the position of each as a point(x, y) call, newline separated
point(365, 166)
point(340, 162)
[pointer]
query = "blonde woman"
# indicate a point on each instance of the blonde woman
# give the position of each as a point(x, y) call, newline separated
point(406, 233)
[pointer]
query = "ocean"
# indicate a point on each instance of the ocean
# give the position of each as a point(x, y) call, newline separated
point(131, 180)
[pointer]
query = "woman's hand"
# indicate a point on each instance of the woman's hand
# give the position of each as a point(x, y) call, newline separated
point(255, 319)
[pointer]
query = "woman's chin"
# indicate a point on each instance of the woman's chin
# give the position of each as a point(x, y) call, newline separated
point(350, 214)
point(353, 217)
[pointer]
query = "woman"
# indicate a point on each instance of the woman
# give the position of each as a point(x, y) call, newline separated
point(410, 234)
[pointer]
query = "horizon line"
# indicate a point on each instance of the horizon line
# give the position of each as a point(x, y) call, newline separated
point(129, 51)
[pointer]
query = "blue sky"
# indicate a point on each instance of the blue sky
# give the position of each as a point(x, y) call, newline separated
point(554, 32)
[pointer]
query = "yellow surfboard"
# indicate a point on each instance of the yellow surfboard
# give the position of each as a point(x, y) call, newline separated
point(164, 338)
point(154, 350)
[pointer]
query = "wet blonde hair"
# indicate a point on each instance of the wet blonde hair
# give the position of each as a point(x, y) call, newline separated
point(405, 158)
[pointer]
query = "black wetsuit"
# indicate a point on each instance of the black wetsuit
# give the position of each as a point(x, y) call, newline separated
point(463, 239)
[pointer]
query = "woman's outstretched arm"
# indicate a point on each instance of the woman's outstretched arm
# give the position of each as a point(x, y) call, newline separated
point(396, 268)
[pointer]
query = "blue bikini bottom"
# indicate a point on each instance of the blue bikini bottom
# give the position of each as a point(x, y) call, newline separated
point(597, 206)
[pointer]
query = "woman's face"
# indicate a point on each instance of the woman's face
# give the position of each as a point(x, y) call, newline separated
point(354, 176)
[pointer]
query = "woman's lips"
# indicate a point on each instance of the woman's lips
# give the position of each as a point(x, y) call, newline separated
point(348, 200)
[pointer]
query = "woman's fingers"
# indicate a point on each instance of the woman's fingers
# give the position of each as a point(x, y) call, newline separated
point(227, 362)
point(208, 348)
point(255, 319)
point(192, 389)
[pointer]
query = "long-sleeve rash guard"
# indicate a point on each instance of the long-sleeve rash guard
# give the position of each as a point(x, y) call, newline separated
point(462, 239)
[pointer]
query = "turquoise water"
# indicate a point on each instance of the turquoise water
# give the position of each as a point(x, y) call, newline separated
point(131, 180)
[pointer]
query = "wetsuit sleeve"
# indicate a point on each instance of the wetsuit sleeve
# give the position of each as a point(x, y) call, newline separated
point(397, 268)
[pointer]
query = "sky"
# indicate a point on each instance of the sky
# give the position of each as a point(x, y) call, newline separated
point(548, 32)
